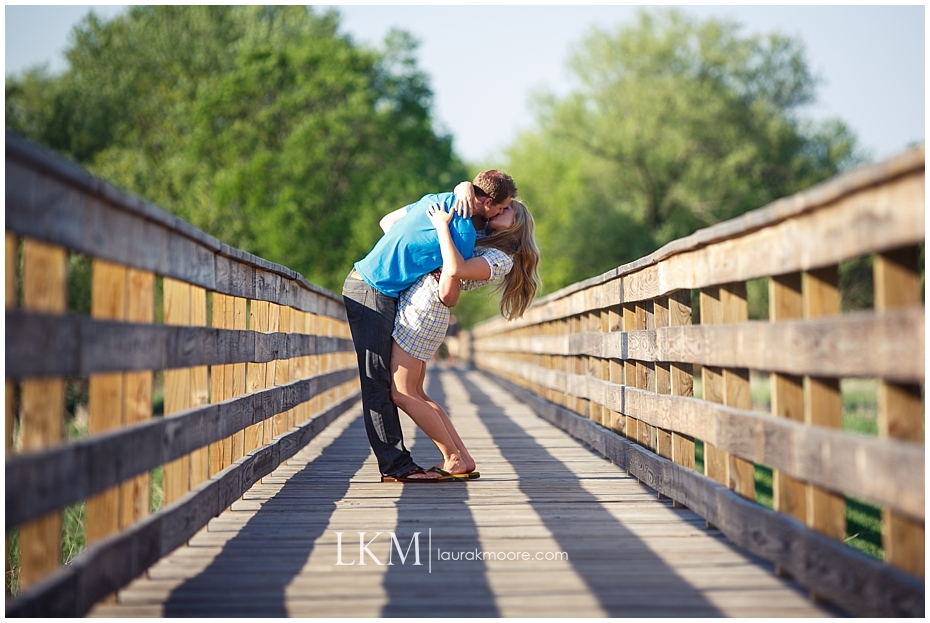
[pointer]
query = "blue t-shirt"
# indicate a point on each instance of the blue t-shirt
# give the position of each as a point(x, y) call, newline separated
point(410, 249)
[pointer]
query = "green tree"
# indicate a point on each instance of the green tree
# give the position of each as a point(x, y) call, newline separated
point(262, 125)
point(676, 124)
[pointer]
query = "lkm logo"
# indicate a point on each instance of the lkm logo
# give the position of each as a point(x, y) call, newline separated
point(364, 543)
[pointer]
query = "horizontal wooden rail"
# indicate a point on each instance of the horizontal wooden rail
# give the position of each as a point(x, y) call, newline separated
point(822, 347)
point(45, 345)
point(886, 472)
point(627, 350)
point(39, 482)
point(112, 563)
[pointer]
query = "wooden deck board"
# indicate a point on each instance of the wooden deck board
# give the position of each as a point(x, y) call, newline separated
point(274, 552)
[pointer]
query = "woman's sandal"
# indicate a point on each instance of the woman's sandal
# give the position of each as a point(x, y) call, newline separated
point(419, 470)
point(466, 476)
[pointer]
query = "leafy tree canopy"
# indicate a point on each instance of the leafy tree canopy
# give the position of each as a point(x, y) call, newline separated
point(261, 125)
point(676, 124)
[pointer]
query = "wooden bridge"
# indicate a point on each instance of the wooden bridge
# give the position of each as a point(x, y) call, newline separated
point(225, 469)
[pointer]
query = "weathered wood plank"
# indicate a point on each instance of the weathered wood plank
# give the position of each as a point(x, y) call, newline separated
point(740, 473)
point(76, 346)
point(139, 386)
point(682, 377)
point(901, 409)
point(820, 296)
point(12, 279)
point(716, 462)
point(105, 392)
point(177, 311)
point(788, 494)
point(819, 347)
point(200, 392)
point(43, 405)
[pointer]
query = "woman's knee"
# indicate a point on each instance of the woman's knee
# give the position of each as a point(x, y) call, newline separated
point(401, 397)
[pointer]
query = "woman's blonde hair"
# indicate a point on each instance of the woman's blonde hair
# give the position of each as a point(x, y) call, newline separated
point(519, 241)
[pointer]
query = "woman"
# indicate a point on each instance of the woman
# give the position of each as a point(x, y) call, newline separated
point(508, 250)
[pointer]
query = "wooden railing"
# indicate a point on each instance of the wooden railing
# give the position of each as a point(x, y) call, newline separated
point(613, 360)
point(252, 361)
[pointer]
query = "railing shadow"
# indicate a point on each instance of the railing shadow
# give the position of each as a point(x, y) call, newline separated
point(438, 588)
point(250, 575)
point(592, 532)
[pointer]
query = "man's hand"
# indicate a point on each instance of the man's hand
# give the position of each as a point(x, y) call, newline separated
point(464, 199)
point(439, 216)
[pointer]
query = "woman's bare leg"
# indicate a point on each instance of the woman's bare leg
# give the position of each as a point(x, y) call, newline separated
point(447, 421)
point(405, 372)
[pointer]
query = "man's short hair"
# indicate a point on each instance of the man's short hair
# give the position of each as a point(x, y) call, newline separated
point(495, 184)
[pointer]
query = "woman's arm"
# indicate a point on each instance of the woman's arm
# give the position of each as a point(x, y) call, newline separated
point(387, 222)
point(449, 289)
point(452, 260)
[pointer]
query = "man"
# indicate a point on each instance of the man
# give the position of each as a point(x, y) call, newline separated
point(408, 250)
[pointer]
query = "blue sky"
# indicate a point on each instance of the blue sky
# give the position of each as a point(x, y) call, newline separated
point(871, 59)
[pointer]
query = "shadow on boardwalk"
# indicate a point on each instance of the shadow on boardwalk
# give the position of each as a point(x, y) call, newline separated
point(591, 535)
point(598, 519)
point(443, 592)
point(235, 584)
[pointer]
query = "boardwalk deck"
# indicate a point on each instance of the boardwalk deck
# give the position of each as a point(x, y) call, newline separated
point(275, 552)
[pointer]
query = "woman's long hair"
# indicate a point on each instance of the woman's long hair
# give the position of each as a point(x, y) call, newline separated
point(519, 241)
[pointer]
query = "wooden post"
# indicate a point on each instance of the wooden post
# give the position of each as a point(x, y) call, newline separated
point(645, 371)
point(663, 380)
point(631, 425)
point(12, 270)
point(315, 363)
point(282, 370)
point(681, 379)
point(306, 410)
point(615, 320)
point(43, 405)
point(235, 376)
point(105, 393)
point(255, 374)
point(741, 474)
point(295, 365)
point(12, 267)
point(606, 416)
point(823, 403)
point(788, 494)
point(222, 316)
point(715, 461)
point(177, 304)
point(579, 405)
point(200, 392)
point(592, 323)
point(327, 331)
point(135, 493)
point(271, 369)
point(900, 407)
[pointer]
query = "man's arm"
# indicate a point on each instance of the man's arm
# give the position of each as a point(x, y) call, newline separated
point(388, 221)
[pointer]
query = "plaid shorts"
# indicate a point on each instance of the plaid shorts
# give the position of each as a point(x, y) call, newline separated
point(422, 320)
